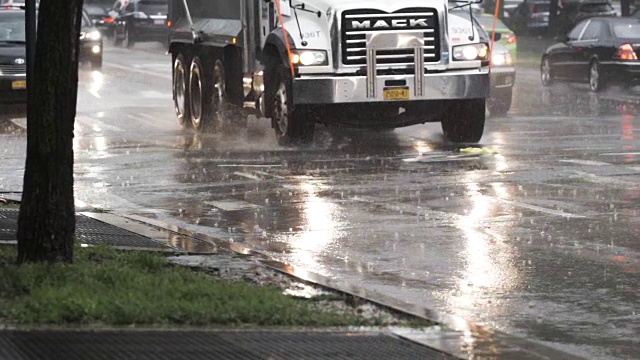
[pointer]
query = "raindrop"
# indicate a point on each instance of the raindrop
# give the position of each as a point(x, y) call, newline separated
point(532, 304)
point(266, 201)
point(290, 229)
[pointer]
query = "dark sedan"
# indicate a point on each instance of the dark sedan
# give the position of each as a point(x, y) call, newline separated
point(598, 51)
point(90, 43)
point(13, 68)
point(100, 18)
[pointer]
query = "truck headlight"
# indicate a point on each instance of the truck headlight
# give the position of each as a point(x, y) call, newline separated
point(501, 59)
point(471, 52)
point(310, 58)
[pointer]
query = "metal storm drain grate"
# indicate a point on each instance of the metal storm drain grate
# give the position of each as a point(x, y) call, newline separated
point(88, 231)
point(241, 345)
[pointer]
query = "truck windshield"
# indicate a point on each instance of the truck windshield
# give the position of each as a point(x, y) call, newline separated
point(12, 26)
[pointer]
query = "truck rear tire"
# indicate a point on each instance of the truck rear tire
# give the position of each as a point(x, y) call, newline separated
point(180, 95)
point(199, 97)
point(463, 122)
point(292, 124)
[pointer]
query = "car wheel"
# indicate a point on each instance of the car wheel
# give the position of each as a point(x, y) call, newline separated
point(464, 121)
point(96, 63)
point(596, 81)
point(128, 40)
point(546, 72)
point(501, 103)
point(291, 123)
point(180, 95)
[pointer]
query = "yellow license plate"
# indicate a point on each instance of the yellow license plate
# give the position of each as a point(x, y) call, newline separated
point(396, 93)
point(19, 84)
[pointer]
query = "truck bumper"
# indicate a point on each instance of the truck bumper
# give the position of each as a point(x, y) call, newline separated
point(454, 84)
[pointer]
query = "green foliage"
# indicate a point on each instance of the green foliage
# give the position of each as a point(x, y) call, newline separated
point(109, 287)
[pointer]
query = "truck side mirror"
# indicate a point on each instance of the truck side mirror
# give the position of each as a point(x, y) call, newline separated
point(561, 38)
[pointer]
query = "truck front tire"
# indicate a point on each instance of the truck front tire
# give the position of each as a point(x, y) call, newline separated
point(463, 122)
point(292, 124)
point(180, 96)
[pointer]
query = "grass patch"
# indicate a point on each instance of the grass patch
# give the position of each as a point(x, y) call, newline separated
point(9, 205)
point(109, 287)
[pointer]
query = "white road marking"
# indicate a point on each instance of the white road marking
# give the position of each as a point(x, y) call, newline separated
point(540, 209)
point(233, 205)
point(141, 71)
point(247, 175)
point(620, 154)
point(90, 122)
point(586, 162)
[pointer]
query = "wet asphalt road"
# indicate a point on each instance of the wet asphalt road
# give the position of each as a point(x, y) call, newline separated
point(537, 234)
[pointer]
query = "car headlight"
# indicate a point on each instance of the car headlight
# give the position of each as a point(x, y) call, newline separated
point(501, 59)
point(471, 52)
point(94, 35)
point(91, 35)
point(310, 58)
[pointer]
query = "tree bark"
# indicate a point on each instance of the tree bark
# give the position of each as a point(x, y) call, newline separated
point(46, 224)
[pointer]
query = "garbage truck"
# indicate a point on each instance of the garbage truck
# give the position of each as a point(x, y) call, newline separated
point(374, 64)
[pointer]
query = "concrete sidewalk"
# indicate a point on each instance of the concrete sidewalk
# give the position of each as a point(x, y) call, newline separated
point(454, 339)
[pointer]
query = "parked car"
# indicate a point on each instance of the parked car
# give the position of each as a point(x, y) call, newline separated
point(508, 39)
point(575, 10)
point(530, 17)
point(90, 43)
point(599, 51)
point(502, 78)
point(140, 20)
point(13, 68)
point(100, 18)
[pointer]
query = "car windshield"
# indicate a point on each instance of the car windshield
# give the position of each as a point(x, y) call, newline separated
point(627, 31)
point(12, 26)
point(487, 22)
point(95, 10)
point(153, 7)
point(596, 8)
point(86, 22)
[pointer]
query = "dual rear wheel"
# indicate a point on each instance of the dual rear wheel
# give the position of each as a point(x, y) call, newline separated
point(201, 100)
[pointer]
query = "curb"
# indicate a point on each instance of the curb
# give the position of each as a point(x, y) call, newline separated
point(455, 336)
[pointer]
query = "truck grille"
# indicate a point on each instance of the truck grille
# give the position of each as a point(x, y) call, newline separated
point(13, 69)
point(356, 24)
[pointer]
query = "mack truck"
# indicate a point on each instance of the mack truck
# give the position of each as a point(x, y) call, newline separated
point(370, 64)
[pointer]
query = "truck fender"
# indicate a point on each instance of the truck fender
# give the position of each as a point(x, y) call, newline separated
point(276, 39)
point(274, 47)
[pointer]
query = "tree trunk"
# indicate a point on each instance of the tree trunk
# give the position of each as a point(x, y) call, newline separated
point(46, 225)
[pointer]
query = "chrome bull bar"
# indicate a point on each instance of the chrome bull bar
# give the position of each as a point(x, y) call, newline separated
point(393, 41)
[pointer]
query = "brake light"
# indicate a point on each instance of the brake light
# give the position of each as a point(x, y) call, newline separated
point(625, 52)
point(169, 23)
point(108, 20)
